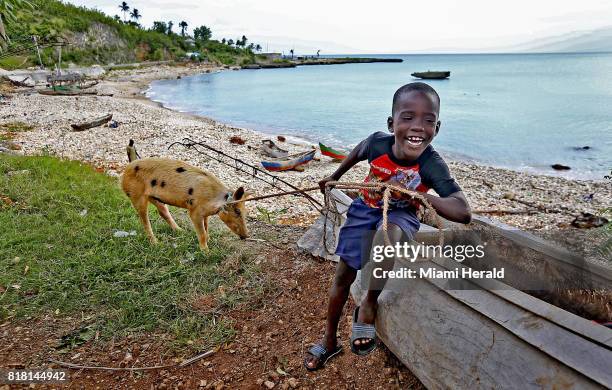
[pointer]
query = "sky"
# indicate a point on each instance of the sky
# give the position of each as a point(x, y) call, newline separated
point(382, 26)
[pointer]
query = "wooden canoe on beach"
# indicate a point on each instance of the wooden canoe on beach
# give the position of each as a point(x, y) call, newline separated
point(330, 152)
point(66, 92)
point(270, 149)
point(432, 75)
point(289, 162)
point(93, 123)
point(488, 333)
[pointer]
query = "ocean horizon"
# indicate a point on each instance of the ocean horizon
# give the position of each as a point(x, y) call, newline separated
point(518, 111)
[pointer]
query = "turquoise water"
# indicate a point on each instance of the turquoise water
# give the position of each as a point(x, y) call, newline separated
point(523, 112)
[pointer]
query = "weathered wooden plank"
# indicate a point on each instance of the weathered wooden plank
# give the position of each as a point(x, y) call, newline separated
point(465, 339)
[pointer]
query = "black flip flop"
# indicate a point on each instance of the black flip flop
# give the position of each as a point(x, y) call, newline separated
point(359, 331)
point(322, 355)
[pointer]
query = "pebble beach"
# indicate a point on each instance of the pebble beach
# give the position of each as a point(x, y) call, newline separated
point(503, 193)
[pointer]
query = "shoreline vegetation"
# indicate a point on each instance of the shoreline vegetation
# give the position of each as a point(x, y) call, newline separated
point(88, 36)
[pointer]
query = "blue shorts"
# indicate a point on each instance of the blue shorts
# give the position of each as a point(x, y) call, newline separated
point(362, 221)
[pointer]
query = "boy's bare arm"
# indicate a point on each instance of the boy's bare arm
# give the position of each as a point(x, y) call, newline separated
point(347, 163)
point(454, 207)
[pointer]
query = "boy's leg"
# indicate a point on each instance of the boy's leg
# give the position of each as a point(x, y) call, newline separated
point(338, 295)
point(369, 303)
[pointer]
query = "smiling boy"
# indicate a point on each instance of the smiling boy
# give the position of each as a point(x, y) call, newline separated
point(403, 158)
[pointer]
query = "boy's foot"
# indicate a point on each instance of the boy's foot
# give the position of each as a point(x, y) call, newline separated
point(317, 356)
point(363, 338)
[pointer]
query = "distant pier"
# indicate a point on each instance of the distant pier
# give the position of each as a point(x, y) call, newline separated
point(292, 63)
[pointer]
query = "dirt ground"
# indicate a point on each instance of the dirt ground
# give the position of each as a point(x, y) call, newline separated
point(267, 351)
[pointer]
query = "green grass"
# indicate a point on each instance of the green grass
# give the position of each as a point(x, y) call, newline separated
point(16, 62)
point(57, 259)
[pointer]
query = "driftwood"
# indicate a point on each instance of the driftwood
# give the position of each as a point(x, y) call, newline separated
point(77, 92)
point(93, 123)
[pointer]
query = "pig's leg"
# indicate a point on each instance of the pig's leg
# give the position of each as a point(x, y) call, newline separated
point(197, 218)
point(140, 204)
point(165, 214)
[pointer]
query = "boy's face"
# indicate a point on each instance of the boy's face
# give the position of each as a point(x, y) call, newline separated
point(414, 123)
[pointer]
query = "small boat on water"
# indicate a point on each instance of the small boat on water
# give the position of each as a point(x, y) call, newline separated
point(432, 75)
point(269, 148)
point(330, 152)
point(289, 162)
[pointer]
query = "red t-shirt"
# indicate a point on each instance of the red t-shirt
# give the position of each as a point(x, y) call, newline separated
point(428, 171)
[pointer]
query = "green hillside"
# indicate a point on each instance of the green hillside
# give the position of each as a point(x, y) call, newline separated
point(96, 38)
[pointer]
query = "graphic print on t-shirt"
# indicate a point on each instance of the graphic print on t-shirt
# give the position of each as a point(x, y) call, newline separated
point(382, 169)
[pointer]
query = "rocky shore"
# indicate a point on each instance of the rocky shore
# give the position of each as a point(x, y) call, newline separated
point(517, 198)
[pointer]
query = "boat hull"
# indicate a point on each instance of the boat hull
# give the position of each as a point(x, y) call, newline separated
point(288, 164)
point(431, 75)
point(330, 152)
point(485, 333)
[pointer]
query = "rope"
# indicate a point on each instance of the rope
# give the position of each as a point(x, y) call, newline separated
point(329, 199)
point(386, 189)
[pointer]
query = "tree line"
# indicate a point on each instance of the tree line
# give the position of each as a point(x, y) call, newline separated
point(200, 34)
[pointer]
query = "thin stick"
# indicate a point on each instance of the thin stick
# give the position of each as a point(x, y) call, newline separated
point(196, 358)
point(276, 194)
point(183, 364)
point(76, 366)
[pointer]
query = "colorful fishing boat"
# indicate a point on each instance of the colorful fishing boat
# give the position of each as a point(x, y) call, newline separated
point(330, 152)
point(289, 162)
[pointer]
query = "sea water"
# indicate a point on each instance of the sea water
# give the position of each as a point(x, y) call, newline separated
point(518, 111)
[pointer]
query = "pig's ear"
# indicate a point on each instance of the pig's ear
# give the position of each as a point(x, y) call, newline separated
point(239, 193)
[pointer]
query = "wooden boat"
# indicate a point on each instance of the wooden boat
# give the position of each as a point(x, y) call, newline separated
point(93, 123)
point(432, 75)
point(289, 162)
point(330, 152)
point(66, 92)
point(487, 333)
point(269, 148)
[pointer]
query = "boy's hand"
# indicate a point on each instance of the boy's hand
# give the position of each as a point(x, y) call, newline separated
point(325, 181)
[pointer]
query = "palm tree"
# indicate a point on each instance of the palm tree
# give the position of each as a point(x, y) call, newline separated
point(183, 25)
point(7, 9)
point(258, 47)
point(291, 51)
point(124, 8)
point(223, 41)
point(135, 15)
point(170, 24)
point(230, 42)
point(318, 51)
